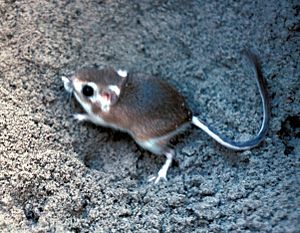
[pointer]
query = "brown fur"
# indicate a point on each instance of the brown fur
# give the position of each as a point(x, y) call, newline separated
point(147, 106)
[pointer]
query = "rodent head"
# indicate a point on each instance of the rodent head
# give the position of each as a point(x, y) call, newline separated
point(96, 87)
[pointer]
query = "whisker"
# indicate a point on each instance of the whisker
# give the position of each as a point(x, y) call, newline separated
point(69, 97)
point(69, 101)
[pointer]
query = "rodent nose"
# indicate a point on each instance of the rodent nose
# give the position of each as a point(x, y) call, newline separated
point(67, 84)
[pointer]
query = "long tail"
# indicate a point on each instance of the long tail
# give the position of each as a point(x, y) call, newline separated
point(266, 113)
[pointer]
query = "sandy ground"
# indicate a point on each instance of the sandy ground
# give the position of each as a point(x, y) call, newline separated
point(60, 176)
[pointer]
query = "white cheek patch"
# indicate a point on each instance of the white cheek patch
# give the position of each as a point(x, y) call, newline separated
point(122, 73)
point(77, 85)
point(67, 84)
point(105, 108)
point(115, 89)
point(104, 103)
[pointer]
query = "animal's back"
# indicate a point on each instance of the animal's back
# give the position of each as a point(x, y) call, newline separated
point(150, 107)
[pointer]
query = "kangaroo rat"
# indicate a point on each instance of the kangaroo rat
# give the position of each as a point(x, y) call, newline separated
point(149, 109)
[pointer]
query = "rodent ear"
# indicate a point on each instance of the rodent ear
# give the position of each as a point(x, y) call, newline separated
point(111, 94)
point(115, 89)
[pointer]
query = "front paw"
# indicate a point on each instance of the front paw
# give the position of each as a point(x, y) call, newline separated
point(81, 117)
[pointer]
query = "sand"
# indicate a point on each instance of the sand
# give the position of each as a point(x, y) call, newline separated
point(60, 176)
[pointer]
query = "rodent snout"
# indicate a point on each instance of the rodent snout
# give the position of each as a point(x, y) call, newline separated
point(67, 84)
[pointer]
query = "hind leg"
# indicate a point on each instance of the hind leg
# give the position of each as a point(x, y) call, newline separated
point(159, 146)
point(162, 174)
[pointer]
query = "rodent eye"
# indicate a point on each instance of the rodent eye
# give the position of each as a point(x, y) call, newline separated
point(87, 91)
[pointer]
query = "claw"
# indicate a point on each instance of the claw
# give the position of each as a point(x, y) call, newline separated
point(159, 177)
point(162, 174)
point(152, 178)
